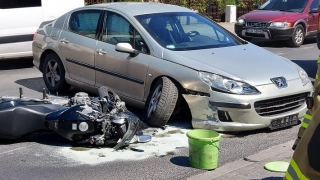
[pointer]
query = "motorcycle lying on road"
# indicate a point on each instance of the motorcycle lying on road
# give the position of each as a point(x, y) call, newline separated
point(101, 121)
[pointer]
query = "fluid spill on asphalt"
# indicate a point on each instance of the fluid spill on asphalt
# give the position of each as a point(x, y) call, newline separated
point(164, 143)
point(79, 149)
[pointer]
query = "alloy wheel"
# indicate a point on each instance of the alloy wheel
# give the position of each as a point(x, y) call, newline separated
point(299, 36)
point(154, 100)
point(53, 73)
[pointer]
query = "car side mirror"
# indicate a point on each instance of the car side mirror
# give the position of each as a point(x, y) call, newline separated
point(314, 10)
point(126, 48)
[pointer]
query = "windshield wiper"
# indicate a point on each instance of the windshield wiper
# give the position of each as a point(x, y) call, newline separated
point(286, 10)
point(267, 9)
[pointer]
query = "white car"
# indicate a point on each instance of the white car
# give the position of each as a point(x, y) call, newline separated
point(20, 19)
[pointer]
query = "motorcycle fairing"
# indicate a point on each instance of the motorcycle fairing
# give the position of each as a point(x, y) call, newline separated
point(17, 121)
point(134, 126)
point(70, 124)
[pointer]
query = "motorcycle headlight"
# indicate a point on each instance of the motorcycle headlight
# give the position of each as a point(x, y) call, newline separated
point(303, 75)
point(224, 84)
point(280, 24)
point(240, 21)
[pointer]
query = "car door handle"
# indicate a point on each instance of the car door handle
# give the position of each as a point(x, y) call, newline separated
point(101, 51)
point(64, 40)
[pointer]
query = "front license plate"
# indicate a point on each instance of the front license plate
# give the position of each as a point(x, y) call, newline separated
point(284, 122)
point(255, 31)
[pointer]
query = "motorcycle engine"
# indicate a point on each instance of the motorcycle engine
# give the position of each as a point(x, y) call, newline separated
point(80, 98)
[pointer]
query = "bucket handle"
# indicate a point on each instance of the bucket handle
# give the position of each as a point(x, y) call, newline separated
point(215, 145)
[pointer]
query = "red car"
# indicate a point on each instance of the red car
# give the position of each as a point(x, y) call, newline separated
point(290, 20)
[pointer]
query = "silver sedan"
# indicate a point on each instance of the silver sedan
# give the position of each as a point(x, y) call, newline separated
point(170, 60)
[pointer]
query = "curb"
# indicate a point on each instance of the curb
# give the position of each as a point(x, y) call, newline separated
point(272, 152)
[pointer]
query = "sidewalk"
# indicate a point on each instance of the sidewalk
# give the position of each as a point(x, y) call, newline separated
point(228, 26)
point(251, 168)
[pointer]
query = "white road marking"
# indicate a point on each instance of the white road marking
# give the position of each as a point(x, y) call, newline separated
point(16, 149)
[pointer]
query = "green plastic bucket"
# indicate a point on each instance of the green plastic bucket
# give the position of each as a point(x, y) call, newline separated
point(203, 148)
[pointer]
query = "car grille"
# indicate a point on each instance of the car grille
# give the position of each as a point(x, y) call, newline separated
point(257, 24)
point(279, 105)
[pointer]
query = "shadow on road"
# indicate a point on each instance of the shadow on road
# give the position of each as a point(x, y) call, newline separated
point(20, 63)
point(45, 137)
point(35, 84)
point(248, 133)
point(270, 178)
point(180, 161)
point(279, 44)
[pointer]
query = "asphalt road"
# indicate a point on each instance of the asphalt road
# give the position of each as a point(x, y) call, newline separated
point(36, 157)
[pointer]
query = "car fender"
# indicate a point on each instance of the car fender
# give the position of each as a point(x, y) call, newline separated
point(185, 76)
point(301, 21)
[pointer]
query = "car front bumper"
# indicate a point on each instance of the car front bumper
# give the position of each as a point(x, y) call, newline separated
point(241, 110)
point(267, 33)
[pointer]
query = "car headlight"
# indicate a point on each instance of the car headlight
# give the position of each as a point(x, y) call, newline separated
point(280, 24)
point(303, 75)
point(224, 84)
point(240, 21)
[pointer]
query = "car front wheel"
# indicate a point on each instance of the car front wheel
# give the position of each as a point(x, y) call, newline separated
point(160, 103)
point(53, 74)
point(298, 36)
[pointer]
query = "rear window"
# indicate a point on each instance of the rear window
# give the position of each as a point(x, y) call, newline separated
point(11, 4)
point(85, 22)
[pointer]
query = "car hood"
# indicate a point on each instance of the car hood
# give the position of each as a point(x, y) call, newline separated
point(248, 63)
point(267, 15)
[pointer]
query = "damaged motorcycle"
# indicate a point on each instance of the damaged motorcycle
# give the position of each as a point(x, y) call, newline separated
point(101, 121)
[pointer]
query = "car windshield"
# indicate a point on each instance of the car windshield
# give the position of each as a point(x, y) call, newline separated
point(181, 31)
point(284, 5)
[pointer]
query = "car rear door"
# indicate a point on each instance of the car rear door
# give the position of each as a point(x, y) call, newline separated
point(124, 73)
point(77, 44)
point(313, 16)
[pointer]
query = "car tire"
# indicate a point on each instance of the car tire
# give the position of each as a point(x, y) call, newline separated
point(298, 36)
point(53, 67)
point(160, 103)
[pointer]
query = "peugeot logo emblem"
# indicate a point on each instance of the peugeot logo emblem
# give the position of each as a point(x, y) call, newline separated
point(280, 82)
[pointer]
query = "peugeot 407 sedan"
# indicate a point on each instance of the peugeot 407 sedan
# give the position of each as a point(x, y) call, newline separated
point(160, 57)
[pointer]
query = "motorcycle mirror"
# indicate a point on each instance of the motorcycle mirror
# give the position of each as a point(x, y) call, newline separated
point(144, 138)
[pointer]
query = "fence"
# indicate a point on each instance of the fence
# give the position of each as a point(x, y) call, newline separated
point(209, 8)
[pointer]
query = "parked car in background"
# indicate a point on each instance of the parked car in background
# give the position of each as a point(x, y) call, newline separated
point(290, 20)
point(20, 19)
point(160, 57)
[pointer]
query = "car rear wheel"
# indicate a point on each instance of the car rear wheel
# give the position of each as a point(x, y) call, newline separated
point(54, 74)
point(161, 102)
point(298, 36)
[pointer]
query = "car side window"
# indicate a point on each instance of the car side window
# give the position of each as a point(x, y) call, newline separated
point(314, 5)
point(118, 30)
point(84, 22)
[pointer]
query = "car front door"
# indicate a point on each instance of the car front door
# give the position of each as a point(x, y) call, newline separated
point(77, 43)
point(313, 16)
point(123, 73)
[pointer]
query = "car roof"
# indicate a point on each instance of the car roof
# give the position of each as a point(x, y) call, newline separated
point(139, 8)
